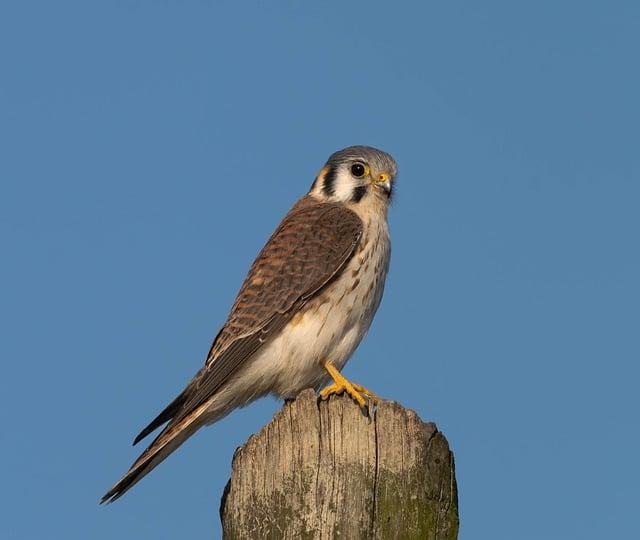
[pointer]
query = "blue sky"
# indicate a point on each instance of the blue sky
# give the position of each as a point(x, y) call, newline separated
point(148, 150)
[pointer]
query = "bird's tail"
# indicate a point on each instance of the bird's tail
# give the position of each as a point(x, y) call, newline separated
point(165, 443)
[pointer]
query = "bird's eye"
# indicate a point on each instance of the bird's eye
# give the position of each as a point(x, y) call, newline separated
point(358, 170)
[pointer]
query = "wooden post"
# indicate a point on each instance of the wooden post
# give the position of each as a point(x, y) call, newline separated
point(324, 470)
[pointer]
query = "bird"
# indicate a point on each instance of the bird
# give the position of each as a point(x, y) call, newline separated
point(305, 305)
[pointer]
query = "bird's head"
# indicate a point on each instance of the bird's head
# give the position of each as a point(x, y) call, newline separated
point(358, 175)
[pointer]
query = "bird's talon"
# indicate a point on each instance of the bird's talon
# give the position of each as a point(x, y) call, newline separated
point(375, 399)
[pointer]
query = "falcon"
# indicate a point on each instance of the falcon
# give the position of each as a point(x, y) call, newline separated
point(305, 305)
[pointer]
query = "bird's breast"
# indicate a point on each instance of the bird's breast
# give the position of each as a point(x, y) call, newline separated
point(331, 325)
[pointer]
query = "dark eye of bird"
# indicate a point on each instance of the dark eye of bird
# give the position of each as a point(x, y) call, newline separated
point(357, 170)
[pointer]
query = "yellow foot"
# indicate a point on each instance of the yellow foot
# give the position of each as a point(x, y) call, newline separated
point(341, 385)
point(340, 388)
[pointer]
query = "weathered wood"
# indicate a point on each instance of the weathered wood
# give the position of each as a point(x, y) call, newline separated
point(324, 470)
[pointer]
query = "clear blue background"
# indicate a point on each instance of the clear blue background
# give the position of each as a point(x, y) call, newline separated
point(149, 148)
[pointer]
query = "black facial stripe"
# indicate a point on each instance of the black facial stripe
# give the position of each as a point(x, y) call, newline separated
point(329, 187)
point(358, 193)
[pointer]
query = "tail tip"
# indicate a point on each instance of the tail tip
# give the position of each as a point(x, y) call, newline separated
point(112, 495)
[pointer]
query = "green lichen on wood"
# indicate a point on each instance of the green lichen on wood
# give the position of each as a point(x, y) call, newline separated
point(409, 508)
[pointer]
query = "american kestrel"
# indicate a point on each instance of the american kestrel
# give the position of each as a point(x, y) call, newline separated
point(305, 305)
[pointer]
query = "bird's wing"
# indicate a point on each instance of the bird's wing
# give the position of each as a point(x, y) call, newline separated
point(307, 251)
point(309, 248)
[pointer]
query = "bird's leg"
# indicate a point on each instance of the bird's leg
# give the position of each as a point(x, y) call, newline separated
point(340, 384)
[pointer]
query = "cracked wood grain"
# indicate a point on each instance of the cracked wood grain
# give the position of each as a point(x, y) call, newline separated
point(323, 470)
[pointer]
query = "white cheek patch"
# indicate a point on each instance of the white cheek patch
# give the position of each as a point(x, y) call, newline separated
point(344, 186)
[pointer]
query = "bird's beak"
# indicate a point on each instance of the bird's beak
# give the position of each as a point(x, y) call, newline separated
point(383, 180)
